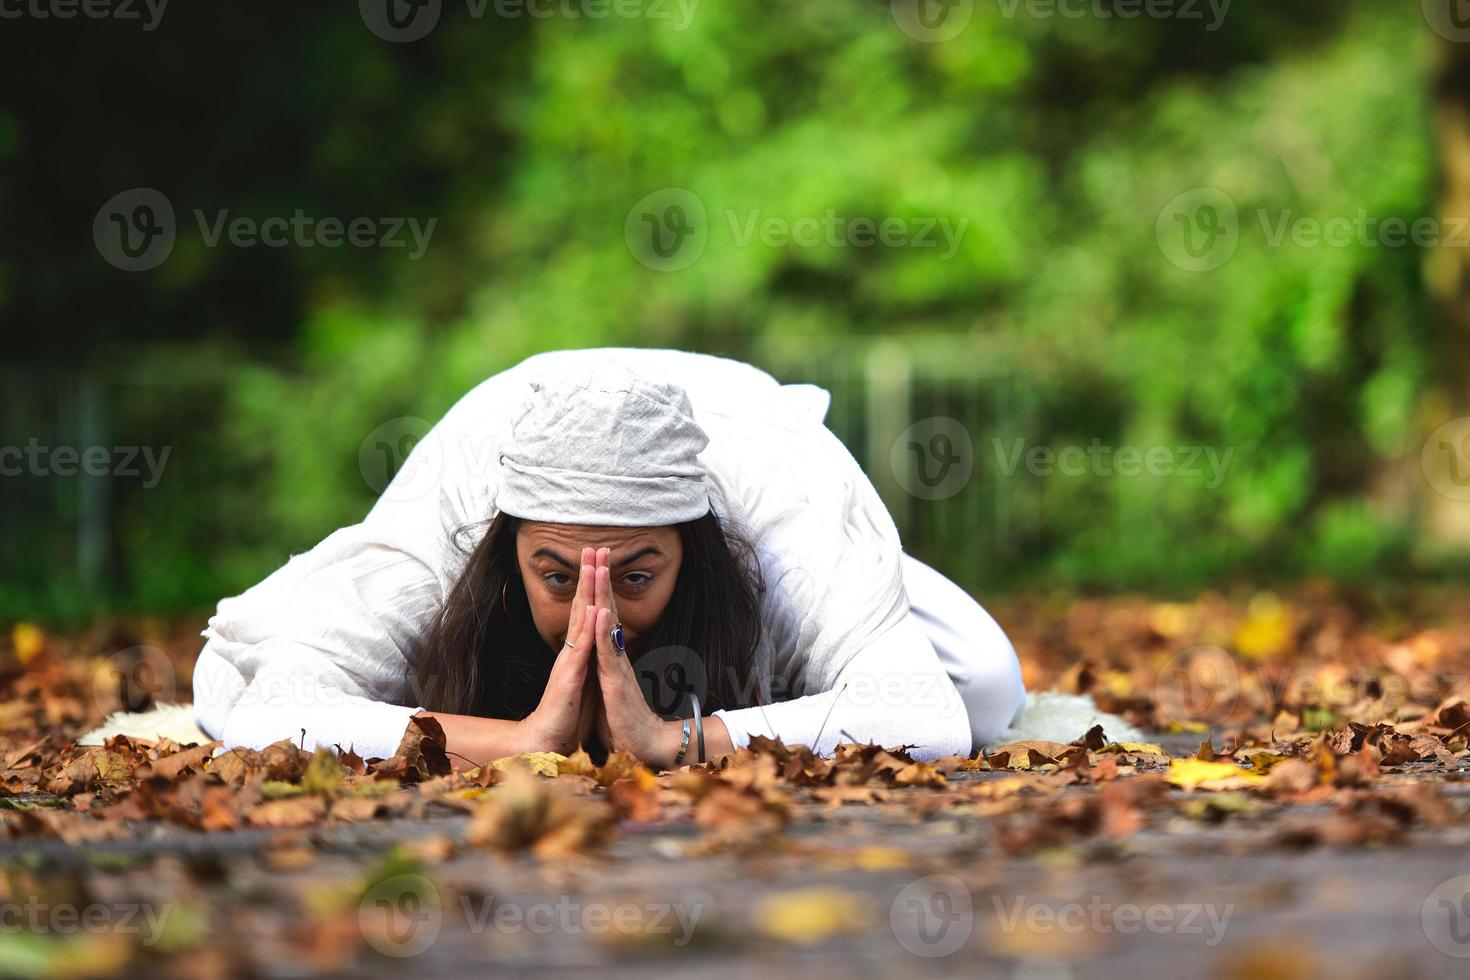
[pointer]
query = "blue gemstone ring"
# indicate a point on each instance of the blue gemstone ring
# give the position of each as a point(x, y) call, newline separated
point(617, 638)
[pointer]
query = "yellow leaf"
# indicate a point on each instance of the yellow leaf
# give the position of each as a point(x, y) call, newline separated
point(1199, 774)
point(1149, 747)
point(28, 641)
point(1266, 630)
point(810, 915)
point(541, 763)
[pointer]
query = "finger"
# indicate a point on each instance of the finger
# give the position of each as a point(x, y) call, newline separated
point(611, 599)
point(583, 597)
point(613, 669)
point(570, 668)
point(603, 587)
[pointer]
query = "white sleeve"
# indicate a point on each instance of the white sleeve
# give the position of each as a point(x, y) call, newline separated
point(328, 643)
point(327, 647)
point(894, 691)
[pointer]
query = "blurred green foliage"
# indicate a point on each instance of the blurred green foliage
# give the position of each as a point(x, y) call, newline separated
point(1057, 142)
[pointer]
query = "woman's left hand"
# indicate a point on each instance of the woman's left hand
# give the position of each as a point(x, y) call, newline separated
point(624, 719)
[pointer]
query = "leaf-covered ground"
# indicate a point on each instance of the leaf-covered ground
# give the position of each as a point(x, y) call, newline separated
point(1299, 809)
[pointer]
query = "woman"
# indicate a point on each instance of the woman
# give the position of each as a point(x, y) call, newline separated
point(649, 549)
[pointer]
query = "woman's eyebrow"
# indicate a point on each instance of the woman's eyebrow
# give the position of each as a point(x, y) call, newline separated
point(641, 552)
point(548, 553)
point(625, 560)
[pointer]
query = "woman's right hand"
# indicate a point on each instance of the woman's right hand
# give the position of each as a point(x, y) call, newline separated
point(564, 718)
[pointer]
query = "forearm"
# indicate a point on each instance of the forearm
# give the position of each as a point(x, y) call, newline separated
point(716, 743)
point(472, 741)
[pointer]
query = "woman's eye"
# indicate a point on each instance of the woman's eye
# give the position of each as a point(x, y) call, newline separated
point(637, 580)
point(558, 581)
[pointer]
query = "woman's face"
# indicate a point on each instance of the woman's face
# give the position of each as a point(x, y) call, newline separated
point(644, 564)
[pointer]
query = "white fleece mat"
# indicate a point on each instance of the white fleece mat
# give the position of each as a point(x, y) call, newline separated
point(175, 721)
point(1054, 717)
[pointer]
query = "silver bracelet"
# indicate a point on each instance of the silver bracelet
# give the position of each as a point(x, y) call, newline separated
point(698, 725)
point(683, 746)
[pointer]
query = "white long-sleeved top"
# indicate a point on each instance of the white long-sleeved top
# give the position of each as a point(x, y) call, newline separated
point(327, 643)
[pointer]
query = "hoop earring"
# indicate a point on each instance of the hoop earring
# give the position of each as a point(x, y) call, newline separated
point(503, 606)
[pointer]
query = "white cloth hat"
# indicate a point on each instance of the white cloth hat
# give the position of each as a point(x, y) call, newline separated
point(604, 447)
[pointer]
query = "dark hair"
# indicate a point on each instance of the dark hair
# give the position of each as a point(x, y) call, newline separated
point(482, 655)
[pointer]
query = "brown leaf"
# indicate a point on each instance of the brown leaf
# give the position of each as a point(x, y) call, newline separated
point(422, 750)
point(528, 812)
point(174, 765)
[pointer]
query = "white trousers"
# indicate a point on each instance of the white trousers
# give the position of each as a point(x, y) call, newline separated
point(972, 647)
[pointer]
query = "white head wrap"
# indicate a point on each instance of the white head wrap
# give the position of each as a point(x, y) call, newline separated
point(604, 447)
